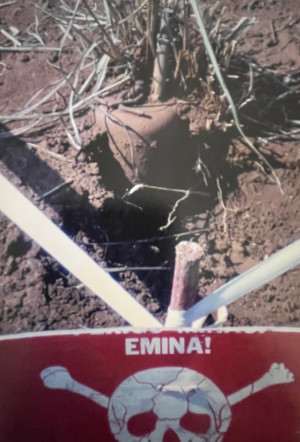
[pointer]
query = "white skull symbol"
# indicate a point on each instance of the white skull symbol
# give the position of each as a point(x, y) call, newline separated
point(167, 399)
point(150, 404)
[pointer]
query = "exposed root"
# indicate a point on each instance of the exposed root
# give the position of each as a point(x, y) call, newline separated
point(171, 216)
point(221, 201)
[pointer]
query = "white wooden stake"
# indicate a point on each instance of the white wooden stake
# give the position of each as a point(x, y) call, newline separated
point(42, 230)
point(257, 276)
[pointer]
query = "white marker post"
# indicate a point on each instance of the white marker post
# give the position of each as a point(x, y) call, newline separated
point(42, 230)
point(269, 269)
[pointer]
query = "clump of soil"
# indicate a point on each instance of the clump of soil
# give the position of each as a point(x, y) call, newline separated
point(234, 211)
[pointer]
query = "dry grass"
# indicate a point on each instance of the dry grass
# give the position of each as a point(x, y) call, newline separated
point(112, 41)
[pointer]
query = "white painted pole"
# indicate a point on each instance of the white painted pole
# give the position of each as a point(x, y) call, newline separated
point(252, 279)
point(33, 222)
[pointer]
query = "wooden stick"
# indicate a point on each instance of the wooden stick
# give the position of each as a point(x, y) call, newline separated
point(185, 281)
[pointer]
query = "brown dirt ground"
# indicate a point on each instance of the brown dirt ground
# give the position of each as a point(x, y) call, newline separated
point(36, 293)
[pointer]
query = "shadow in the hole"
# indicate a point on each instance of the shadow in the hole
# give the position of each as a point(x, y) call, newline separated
point(146, 210)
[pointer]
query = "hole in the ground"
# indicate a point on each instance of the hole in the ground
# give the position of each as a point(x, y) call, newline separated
point(184, 162)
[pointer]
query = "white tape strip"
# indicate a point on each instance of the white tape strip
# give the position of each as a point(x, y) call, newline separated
point(176, 318)
point(180, 318)
point(32, 221)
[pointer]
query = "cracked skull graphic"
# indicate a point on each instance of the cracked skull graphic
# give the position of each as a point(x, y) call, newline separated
point(170, 393)
point(169, 398)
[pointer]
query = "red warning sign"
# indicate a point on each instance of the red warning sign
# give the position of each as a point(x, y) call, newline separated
point(122, 385)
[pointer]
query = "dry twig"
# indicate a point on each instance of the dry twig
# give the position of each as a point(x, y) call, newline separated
point(55, 189)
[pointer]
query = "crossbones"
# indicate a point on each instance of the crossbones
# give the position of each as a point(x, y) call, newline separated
point(169, 393)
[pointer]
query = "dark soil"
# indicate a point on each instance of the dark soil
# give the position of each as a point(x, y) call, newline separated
point(36, 293)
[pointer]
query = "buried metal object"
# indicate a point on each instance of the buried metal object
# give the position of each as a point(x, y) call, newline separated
point(143, 138)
